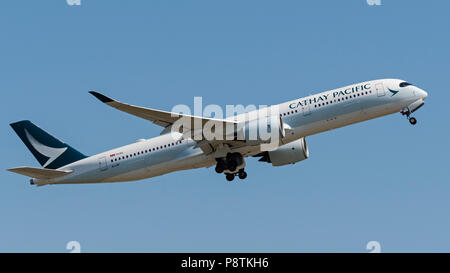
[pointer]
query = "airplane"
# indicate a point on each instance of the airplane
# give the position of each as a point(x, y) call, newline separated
point(187, 148)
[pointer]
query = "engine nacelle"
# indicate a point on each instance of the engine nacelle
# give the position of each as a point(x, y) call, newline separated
point(262, 130)
point(290, 153)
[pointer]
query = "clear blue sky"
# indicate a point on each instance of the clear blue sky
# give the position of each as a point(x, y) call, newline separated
point(382, 180)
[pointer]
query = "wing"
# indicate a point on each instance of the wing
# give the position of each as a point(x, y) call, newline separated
point(168, 119)
point(161, 118)
point(38, 172)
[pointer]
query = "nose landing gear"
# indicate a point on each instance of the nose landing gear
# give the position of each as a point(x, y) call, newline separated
point(407, 113)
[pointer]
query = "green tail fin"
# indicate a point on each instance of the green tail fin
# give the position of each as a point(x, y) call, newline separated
point(48, 150)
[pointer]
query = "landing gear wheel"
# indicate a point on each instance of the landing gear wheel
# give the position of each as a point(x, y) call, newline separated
point(219, 169)
point(232, 166)
point(230, 177)
point(412, 120)
point(232, 161)
point(242, 174)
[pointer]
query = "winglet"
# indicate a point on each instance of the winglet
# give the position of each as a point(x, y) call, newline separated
point(101, 97)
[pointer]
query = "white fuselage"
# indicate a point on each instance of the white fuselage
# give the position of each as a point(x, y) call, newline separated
point(305, 116)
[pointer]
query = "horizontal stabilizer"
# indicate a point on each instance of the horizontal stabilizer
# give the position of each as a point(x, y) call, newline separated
point(38, 172)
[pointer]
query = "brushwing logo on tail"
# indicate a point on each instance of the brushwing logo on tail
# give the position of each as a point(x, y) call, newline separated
point(51, 153)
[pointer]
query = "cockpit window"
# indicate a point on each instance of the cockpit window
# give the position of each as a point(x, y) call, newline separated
point(404, 84)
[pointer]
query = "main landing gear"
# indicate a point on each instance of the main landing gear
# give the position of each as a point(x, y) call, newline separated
point(232, 165)
point(412, 120)
point(241, 174)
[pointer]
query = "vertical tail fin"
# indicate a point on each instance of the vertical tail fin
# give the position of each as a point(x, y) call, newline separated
point(48, 150)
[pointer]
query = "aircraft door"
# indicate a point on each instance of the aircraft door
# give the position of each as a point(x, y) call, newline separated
point(380, 89)
point(306, 110)
point(102, 165)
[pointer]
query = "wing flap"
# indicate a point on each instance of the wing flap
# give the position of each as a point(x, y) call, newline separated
point(38, 172)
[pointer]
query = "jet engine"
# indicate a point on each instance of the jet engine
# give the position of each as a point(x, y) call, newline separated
point(262, 130)
point(290, 153)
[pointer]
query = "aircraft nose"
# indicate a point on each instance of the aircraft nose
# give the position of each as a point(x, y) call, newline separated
point(423, 94)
